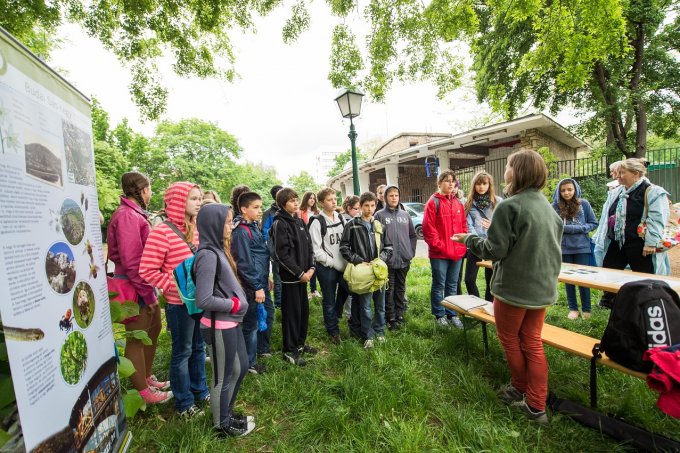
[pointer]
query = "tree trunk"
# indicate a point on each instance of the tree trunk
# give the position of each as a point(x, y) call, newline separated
point(636, 99)
point(613, 114)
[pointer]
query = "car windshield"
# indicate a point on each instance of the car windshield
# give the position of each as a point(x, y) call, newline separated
point(417, 207)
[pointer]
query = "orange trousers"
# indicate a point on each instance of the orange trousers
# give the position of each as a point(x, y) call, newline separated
point(519, 331)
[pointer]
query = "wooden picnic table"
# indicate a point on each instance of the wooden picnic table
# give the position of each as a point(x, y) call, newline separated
point(602, 278)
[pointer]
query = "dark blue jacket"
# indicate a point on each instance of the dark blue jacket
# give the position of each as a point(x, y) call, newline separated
point(251, 254)
point(575, 237)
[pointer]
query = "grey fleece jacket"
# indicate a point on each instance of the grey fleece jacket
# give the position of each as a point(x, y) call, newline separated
point(216, 294)
point(400, 232)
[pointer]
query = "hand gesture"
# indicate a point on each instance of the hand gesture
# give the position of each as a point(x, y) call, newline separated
point(486, 223)
point(459, 237)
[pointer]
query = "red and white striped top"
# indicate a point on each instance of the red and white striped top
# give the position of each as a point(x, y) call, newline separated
point(164, 249)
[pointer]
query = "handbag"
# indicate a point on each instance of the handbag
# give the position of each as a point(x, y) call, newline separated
point(670, 237)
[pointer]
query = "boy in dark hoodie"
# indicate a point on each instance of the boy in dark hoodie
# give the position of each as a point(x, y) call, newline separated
point(265, 225)
point(252, 262)
point(293, 251)
point(399, 232)
point(358, 245)
point(221, 297)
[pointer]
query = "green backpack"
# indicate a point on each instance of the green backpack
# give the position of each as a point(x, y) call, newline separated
point(366, 278)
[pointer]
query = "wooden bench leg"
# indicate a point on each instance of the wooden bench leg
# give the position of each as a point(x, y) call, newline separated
point(593, 382)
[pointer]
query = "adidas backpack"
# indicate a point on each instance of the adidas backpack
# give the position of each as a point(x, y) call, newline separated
point(646, 314)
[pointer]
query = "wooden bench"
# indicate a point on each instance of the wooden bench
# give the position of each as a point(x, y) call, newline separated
point(565, 340)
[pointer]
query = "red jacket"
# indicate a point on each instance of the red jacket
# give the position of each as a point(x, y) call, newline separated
point(126, 235)
point(440, 224)
point(164, 249)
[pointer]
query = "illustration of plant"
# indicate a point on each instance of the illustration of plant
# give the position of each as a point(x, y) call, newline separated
point(8, 139)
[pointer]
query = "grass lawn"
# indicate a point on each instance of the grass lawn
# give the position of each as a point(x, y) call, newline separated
point(416, 392)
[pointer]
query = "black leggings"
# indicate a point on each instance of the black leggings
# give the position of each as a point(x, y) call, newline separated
point(471, 269)
point(230, 365)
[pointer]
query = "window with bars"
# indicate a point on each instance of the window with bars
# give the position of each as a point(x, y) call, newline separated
point(417, 195)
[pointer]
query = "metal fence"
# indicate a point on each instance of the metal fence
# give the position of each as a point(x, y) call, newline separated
point(663, 170)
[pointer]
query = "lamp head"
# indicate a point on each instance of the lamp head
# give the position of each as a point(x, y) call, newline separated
point(349, 102)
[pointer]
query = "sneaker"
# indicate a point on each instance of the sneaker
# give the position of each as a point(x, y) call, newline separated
point(509, 394)
point(151, 381)
point(335, 339)
point(241, 421)
point(294, 358)
point(265, 355)
point(539, 417)
point(309, 350)
point(442, 322)
point(191, 412)
point(400, 321)
point(368, 344)
point(585, 315)
point(456, 322)
point(207, 359)
point(234, 430)
point(151, 395)
point(206, 400)
point(573, 314)
point(316, 294)
point(381, 338)
point(392, 325)
point(257, 368)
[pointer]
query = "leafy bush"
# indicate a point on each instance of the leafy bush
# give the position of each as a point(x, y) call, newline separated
point(594, 189)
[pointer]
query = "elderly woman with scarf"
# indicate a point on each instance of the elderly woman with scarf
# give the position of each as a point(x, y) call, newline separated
point(617, 243)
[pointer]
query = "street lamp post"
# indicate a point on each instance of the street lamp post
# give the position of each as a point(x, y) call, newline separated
point(349, 102)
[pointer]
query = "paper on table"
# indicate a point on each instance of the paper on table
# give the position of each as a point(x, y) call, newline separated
point(466, 302)
point(489, 309)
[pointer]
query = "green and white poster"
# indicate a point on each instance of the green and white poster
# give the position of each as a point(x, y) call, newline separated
point(53, 294)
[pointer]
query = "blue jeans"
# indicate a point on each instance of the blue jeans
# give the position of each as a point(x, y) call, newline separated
point(277, 284)
point(372, 324)
point(577, 258)
point(187, 361)
point(445, 274)
point(334, 292)
point(249, 327)
point(264, 338)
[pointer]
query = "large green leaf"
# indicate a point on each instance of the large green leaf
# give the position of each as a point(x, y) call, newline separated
point(120, 311)
point(3, 352)
point(4, 437)
point(139, 335)
point(125, 367)
point(133, 402)
point(6, 391)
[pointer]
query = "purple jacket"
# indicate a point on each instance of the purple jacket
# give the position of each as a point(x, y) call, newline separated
point(126, 236)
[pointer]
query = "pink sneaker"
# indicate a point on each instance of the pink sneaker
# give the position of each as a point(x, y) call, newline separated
point(155, 383)
point(153, 396)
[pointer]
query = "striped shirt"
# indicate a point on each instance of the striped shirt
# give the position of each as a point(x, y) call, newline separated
point(164, 249)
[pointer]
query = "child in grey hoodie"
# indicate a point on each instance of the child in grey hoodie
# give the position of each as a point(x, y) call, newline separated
point(221, 297)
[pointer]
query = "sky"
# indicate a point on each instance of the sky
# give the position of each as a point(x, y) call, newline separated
point(282, 108)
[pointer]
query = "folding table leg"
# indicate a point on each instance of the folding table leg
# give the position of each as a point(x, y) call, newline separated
point(485, 338)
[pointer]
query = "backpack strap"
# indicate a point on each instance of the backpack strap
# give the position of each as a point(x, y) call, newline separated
point(247, 228)
point(436, 204)
point(377, 238)
point(645, 213)
point(181, 235)
point(324, 229)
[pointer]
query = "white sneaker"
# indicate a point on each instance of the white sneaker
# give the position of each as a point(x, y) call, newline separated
point(368, 344)
point(381, 339)
point(442, 322)
point(455, 322)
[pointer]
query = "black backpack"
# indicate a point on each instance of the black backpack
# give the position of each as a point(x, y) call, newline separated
point(646, 314)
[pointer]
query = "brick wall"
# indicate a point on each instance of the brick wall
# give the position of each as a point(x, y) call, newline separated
point(535, 139)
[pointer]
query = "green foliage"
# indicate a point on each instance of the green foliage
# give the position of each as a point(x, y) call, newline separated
point(133, 402)
point(553, 178)
point(342, 159)
point(140, 335)
point(594, 189)
point(120, 311)
point(303, 182)
point(4, 437)
point(125, 367)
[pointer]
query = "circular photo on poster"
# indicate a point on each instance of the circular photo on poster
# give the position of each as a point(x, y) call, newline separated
point(73, 357)
point(72, 221)
point(60, 267)
point(83, 305)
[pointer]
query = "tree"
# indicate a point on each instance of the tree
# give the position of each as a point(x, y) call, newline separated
point(195, 33)
point(614, 60)
point(342, 159)
point(303, 183)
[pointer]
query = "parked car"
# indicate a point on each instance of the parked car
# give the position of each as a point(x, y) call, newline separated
point(416, 211)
